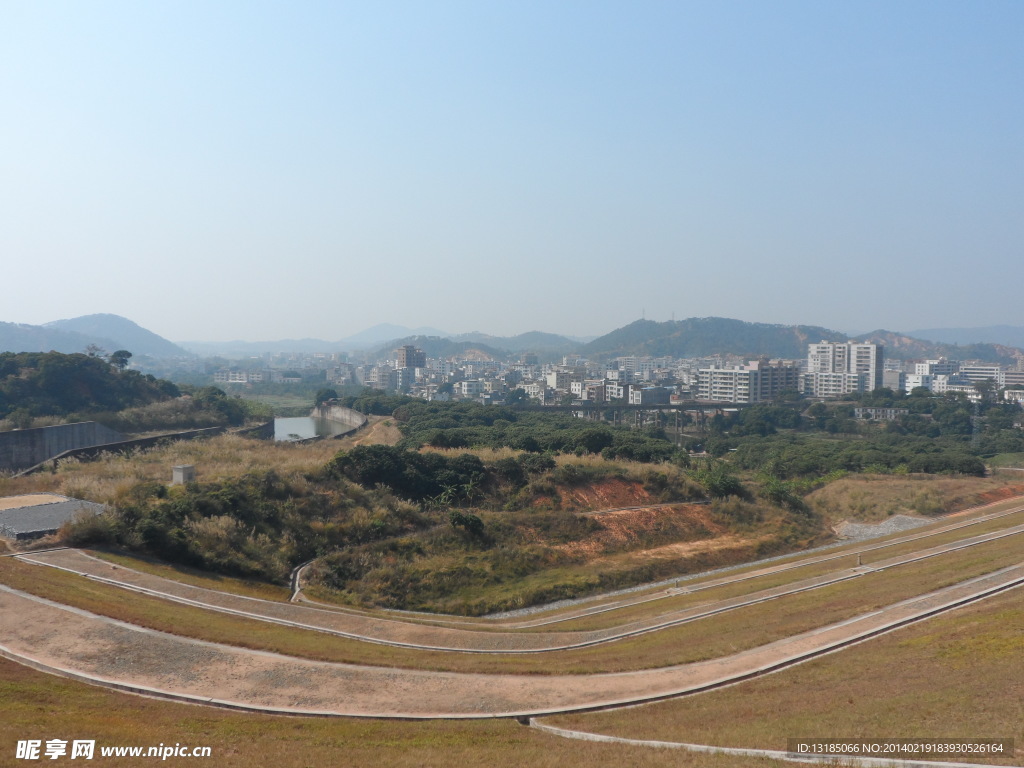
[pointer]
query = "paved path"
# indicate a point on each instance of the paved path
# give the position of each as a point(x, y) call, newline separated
point(76, 643)
point(598, 604)
point(774, 754)
point(394, 632)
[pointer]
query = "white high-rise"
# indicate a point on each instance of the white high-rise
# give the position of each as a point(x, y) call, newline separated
point(837, 368)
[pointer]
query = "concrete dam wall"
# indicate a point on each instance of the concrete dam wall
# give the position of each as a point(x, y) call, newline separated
point(337, 413)
point(24, 448)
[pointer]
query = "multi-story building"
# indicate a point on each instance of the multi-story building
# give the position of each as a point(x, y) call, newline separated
point(975, 372)
point(471, 387)
point(559, 380)
point(649, 396)
point(757, 381)
point(837, 368)
point(1010, 378)
point(940, 367)
point(914, 380)
point(880, 414)
point(410, 357)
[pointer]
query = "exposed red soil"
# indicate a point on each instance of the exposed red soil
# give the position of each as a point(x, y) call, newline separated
point(625, 529)
point(606, 494)
point(1000, 494)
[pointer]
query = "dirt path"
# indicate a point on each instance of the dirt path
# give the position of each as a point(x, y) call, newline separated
point(76, 643)
point(477, 640)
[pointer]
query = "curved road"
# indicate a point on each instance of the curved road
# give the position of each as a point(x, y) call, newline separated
point(72, 642)
point(394, 632)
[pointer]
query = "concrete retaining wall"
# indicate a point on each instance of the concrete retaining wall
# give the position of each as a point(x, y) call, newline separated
point(91, 452)
point(27, 447)
point(338, 413)
point(262, 432)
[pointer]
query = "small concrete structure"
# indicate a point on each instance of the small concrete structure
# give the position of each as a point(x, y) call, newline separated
point(183, 473)
point(35, 515)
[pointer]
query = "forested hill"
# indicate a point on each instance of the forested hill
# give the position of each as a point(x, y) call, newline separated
point(54, 384)
point(436, 346)
point(702, 336)
point(109, 332)
point(903, 347)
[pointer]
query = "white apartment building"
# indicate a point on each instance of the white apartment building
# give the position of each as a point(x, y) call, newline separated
point(915, 380)
point(940, 367)
point(754, 382)
point(975, 372)
point(472, 388)
point(836, 368)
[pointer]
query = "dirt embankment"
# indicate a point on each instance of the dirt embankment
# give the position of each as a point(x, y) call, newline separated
point(871, 498)
point(606, 494)
point(644, 528)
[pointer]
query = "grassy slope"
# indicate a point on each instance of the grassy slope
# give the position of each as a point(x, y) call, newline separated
point(39, 706)
point(956, 675)
point(721, 635)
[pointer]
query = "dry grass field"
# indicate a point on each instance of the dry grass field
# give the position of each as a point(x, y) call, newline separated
point(956, 675)
point(40, 706)
point(872, 498)
point(721, 635)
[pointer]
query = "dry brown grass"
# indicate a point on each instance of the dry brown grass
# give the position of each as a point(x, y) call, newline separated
point(215, 459)
point(486, 455)
point(716, 636)
point(956, 675)
point(380, 431)
point(847, 560)
point(871, 498)
point(204, 579)
point(39, 706)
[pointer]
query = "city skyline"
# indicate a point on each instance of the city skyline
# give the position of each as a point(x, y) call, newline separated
point(230, 171)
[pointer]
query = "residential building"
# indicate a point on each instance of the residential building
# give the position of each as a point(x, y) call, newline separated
point(880, 414)
point(755, 382)
point(410, 357)
point(836, 368)
point(649, 396)
point(940, 367)
point(975, 372)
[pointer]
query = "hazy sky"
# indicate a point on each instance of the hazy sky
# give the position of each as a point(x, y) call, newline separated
point(261, 170)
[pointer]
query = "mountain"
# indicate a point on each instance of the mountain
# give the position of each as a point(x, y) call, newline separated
point(531, 341)
point(239, 349)
point(113, 332)
point(17, 337)
point(1006, 335)
point(436, 346)
point(371, 337)
point(703, 336)
point(903, 347)
point(385, 332)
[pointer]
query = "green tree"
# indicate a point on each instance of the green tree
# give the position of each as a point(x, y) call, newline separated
point(323, 395)
point(120, 358)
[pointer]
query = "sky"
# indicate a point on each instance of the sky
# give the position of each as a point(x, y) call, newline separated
point(266, 170)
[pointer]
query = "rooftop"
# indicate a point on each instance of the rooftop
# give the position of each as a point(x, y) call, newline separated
point(34, 515)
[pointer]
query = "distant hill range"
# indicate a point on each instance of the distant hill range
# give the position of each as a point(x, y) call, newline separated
point(368, 339)
point(704, 336)
point(1006, 335)
point(693, 337)
point(109, 332)
point(548, 346)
